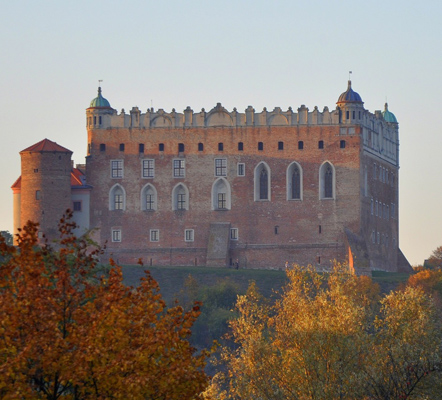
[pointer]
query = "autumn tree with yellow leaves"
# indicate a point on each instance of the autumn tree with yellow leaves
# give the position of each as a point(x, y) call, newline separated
point(69, 330)
point(332, 336)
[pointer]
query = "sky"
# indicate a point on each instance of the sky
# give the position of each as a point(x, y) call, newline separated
point(174, 54)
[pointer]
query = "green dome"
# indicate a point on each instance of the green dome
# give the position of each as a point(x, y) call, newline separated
point(100, 101)
point(388, 116)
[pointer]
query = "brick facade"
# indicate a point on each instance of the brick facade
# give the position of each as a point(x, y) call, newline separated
point(333, 215)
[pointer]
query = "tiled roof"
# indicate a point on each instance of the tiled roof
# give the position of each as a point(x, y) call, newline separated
point(77, 179)
point(17, 184)
point(46, 145)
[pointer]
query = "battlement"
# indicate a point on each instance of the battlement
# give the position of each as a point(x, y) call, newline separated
point(220, 116)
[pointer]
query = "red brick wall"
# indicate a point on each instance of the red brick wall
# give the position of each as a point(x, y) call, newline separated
point(298, 239)
point(49, 173)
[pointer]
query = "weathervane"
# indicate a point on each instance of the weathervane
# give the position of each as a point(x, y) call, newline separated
point(349, 75)
point(99, 82)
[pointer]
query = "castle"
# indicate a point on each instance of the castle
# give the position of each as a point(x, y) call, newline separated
point(219, 187)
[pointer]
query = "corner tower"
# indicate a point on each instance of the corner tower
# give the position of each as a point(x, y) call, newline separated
point(350, 106)
point(45, 186)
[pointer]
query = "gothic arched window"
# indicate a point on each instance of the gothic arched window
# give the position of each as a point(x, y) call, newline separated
point(180, 197)
point(262, 181)
point(327, 181)
point(221, 195)
point(148, 198)
point(117, 198)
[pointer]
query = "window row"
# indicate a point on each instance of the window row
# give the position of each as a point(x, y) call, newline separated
point(240, 146)
point(382, 210)
point(381, 239)
point(221, 191)
point(154, 235)
point(383, 174)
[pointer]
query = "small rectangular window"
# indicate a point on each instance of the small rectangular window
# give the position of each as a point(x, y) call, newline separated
point(320, 229)
point(321, 144)
point(154, 235)
point(141, 148)
point(241, 169)
point(121, 146)
point(220, 167)
point(116, 235)
point(354, 114)
point(102, 147)
point(161, 147)
point(280, 145)
point(260, 146)
point(342, 144)
point(276, 229)
point(35, 170)
point(178, 168)
point(148, 168)
point(300, 145)
point(200, 146)
point(233, 233)
point(180, 147)
point(99, 120)
point(347, 115)
point(116, 168)
point(189, 235)
point(220, 147)
point(37, 195)
point(240, 146)
point(77, 206)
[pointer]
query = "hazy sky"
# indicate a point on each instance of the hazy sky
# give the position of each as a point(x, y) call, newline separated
point(172, 54)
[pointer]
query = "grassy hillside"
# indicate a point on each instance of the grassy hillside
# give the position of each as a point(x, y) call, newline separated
point(171, 279)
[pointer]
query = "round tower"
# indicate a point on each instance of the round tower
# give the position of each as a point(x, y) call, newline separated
point(45, 192)
point(350, 106)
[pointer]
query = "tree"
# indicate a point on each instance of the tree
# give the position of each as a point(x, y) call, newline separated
point(8, 237)
point(331, 337)
point(70, 330)
point(435, 260)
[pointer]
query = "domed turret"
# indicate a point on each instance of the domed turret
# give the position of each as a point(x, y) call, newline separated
point(100, 101)
point(388, 116)
point(349, 96)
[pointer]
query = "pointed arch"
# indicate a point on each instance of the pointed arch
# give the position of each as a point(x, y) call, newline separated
point(327, 181)
point(221, 195)
point(149, 198)
point(262, 179)
point(180, 197)
point(294, 181)
point(117, 197)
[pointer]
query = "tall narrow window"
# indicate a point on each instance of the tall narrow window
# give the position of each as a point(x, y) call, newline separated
point(300, 145)
point(200, 146)
point(263, 185)
point(342, 144)
point(321, 144)
point(121, 146)
point(294, 182)
point(161, 147)
point(102, 147)
point(260, 146)
point(189, 235)
point(241, 169)
point(180, 147)
point(240, 146)
point(116, 235)
point(262, 182)
point(220, 147)
point(222, 201)
point(328, 182)
point(280, 145)
point(141, 148)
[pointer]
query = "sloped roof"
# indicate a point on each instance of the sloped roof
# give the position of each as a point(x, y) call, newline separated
point(46, 145)
point(77, 180)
